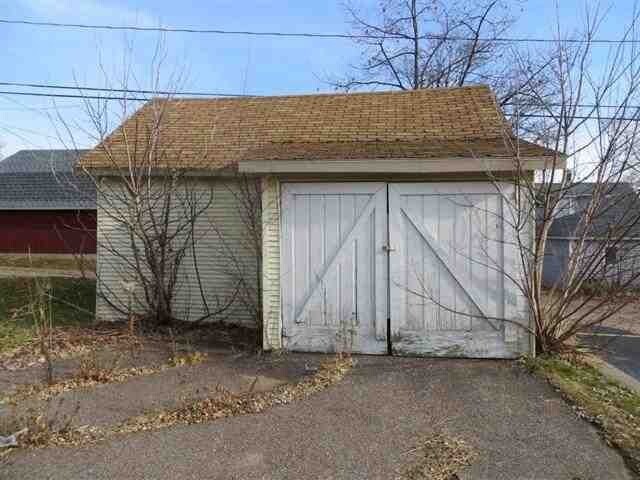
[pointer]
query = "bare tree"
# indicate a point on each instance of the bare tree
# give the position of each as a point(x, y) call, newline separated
point(152, 211)
point(413, 44)
point(592, 126)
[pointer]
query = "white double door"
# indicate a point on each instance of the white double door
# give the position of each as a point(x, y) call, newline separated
point(411, 268)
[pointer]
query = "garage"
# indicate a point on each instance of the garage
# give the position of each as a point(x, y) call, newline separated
point(402, 268)
point(378, 225)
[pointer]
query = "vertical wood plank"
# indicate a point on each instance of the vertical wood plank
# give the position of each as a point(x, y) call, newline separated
point(414, 278)
point(316, 257)
point(347, 293)
point(447, 299)
point(300, 265)
point(332, 244)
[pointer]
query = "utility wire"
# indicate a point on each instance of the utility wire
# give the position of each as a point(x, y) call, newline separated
point(102, 97)
point(121, 90)
point(214, 31)
point(68, 95)
point(81, 88)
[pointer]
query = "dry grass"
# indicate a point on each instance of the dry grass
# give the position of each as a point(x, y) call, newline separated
point(224, 404)
point(87, 263)
point(92, 371)
point(227, 404)
point(36, 429)
point(600, 400)
point(190, 358)
point(72, 305)
point(67, 342)
point(84, 379)
point(439, 457)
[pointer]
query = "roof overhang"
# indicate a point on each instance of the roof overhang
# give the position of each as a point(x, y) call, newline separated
point(401, 165)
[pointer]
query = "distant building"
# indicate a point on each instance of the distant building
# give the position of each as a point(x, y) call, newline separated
point(45, 207)
point(615, 217)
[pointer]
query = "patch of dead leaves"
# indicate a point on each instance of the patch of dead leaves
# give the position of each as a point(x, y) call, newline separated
point(66, 342)
point(42, 391)
point(227, 404)
point(439, 457)
point(223, 404)
point(191, 358)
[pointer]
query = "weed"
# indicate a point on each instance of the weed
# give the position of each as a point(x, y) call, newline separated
point(91, 369)
point(226, 404)
point(190, 358)
point(72, 304)
point(602, 401)
point(36, 428)
point(439, 457)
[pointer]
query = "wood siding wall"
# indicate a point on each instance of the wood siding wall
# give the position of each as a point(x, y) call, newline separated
point(272, 329)
point(221, 252)
point(48, 231)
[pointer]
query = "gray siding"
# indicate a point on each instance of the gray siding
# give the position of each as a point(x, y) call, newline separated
point(556, 255)
point(624, 270)
point(222, 257)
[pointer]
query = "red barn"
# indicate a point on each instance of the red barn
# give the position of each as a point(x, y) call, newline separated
point(44, 206)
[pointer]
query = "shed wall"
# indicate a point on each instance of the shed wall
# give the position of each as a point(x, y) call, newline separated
point(223, 257)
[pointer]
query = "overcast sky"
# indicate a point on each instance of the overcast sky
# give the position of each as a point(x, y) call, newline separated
point(233, 64)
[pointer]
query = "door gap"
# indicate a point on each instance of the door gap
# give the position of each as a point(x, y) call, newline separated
point(389, 345)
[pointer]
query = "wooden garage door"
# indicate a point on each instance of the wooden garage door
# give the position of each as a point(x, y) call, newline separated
point(421, 263)
point(447, 277)
point(334, 272)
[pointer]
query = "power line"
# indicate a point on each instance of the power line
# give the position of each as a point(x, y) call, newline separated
point(68, 95)
point(569, 106)
point(81, 88)
point(351, 36)
point(145, 99)
point(581, 117)
point(122, 90)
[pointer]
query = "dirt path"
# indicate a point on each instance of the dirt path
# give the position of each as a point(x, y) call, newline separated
point(43, 272)
point(363, 428)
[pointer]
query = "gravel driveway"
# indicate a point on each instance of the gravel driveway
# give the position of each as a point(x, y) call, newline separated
point(363, 428)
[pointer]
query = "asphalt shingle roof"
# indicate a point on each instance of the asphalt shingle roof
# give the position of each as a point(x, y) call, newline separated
point(44, 179)
point(218, 133)
point(617, 212)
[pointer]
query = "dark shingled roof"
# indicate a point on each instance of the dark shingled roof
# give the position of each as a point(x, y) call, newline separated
point(45, 180)
point(618, 210)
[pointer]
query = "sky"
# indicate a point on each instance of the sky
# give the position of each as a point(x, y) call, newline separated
point(228, 64)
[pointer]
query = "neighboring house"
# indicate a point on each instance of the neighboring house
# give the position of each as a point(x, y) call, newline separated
point(44, 206)
point(365, 197)
point(616, 216)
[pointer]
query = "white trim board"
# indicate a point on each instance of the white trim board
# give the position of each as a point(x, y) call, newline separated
point(397, 165)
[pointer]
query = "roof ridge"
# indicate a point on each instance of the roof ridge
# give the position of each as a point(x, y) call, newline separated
point(325, 94)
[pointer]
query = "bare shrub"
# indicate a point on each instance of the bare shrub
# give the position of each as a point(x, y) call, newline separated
point(41, 312)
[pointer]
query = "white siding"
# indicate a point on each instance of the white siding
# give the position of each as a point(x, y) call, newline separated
point(272, 328)
point(220, 234)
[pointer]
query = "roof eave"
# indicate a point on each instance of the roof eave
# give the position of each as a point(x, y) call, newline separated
point(400, 165)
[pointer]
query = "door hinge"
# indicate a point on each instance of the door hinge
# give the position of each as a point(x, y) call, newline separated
point(388, 248)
